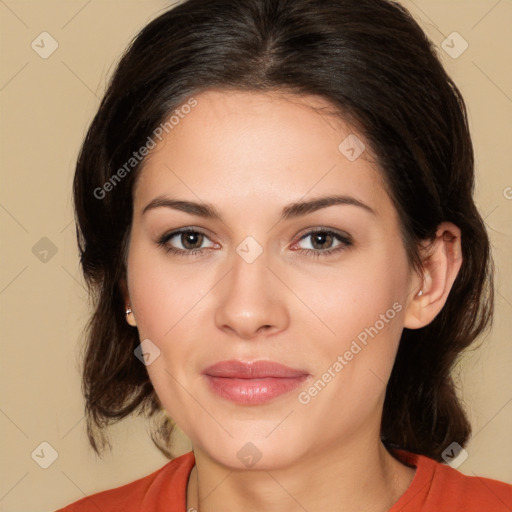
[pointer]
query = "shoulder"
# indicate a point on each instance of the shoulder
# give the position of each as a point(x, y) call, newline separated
point(439, 487)
point(471, 492)
point(165, 484)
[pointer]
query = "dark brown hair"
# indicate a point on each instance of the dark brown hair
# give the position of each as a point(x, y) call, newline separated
point(375, 65)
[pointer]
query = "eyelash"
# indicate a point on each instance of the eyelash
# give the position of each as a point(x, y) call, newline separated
point(345, 240)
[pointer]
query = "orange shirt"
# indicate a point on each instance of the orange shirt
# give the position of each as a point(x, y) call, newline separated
point(435, 488)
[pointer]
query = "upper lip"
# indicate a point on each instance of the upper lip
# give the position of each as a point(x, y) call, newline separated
point(252, 370)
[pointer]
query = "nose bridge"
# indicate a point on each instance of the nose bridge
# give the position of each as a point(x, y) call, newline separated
point(250, 297)
point(250, 273)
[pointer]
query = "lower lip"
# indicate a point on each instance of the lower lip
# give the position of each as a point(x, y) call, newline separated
point(253, 391)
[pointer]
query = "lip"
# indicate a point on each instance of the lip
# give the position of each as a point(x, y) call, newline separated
point(252, 383)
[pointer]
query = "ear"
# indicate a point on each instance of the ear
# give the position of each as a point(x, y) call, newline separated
point(442, 260)
point(130, 317)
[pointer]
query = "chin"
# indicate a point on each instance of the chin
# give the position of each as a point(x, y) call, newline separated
point(255, 452)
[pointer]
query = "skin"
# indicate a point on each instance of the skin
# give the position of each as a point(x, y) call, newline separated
point(250, 155)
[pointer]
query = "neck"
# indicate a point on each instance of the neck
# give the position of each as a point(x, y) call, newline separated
point(363, 476)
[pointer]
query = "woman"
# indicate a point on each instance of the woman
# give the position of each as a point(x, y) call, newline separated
point(275, 216)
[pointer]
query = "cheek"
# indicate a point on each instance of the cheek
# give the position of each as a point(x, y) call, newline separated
point(363, 304)
point(163, 298)
point(168, 301)
point(162, 294)
point(354, 296)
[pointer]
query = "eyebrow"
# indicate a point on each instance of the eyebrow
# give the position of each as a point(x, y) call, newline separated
point(291, 211)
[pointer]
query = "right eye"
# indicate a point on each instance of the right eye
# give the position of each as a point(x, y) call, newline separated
point(187, 238)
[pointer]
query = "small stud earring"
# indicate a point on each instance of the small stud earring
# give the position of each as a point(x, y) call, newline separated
point(129, 316)
point(420, 293)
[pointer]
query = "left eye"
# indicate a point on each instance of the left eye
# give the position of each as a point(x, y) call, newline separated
point(322, 238)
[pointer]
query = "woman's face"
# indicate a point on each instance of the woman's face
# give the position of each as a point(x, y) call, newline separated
point(265, 287)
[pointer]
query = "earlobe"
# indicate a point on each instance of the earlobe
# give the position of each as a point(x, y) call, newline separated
point(130, 318)
point(442, 260)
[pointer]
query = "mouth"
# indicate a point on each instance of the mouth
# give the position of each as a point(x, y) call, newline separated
point(252, 383)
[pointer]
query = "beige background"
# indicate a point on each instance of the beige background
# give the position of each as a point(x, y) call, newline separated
point(46, 105)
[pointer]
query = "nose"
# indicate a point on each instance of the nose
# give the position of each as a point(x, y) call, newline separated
point(252, 300)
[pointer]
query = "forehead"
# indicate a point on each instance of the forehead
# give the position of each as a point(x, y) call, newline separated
point(237, 146)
